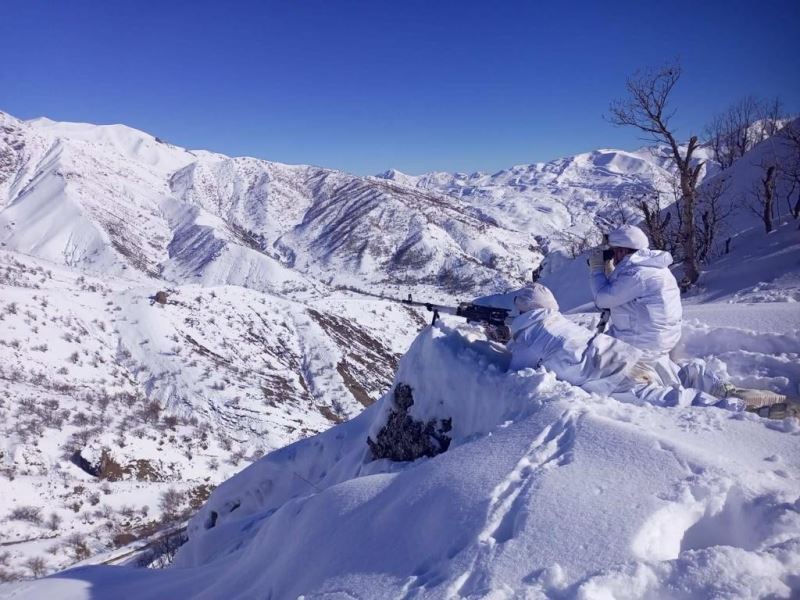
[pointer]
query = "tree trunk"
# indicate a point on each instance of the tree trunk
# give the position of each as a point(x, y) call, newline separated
point(690, 266)
point(688, 176)
point(769, 190)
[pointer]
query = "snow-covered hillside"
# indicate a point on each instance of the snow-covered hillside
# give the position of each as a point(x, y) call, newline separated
point(564, 196)
point(119, 415)
point(109, 400)
point(545, 491)
point(116, 200)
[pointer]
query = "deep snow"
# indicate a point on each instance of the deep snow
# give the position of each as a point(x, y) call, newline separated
point(545, 491)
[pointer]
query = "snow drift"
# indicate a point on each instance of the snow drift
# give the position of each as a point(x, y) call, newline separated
point(545, 491)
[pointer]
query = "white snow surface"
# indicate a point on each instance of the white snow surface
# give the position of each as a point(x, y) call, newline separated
point(546, 491)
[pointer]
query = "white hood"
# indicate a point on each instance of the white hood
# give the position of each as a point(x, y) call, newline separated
point(659, 259)
point(645, 301)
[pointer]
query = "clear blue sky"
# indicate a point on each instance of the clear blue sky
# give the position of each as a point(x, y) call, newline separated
point(367, 85)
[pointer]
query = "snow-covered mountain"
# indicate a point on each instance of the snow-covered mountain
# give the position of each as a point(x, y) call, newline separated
point(117, 200)
point(114, 200)
point(545, 199)
point(120, 414)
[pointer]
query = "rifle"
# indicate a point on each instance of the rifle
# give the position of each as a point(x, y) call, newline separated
point(473, 313)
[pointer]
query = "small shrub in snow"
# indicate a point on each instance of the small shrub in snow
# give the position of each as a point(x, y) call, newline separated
point(76, 545)
point(151, 412)
point(171, 503)
point(36, 566)
point(31, 514)
point(54, 522)
point(258, 452)
point(74, 358)
point(236, 457)
point(80, 439)
point(7, 575)
point(80, 419)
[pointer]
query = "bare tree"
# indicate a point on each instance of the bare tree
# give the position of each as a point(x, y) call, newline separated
point(773, 117)
point(741, 126)
point(657, 220)
point(791, 170)
point(36, 565)
point(576, 244)
point(76, 544)
point(31, 514)
point(171, 503)
point(764, 195)
point(646, 109)
point(714, 214)
point(163, 550)
point(742, 116)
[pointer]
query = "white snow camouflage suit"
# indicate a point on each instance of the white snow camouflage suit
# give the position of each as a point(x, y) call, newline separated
point(597, 363)
point(605, 365)
point(644, 300)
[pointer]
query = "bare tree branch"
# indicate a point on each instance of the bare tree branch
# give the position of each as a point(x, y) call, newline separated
point(646, 109)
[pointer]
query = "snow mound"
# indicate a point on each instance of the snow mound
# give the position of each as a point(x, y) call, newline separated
point(545, 491)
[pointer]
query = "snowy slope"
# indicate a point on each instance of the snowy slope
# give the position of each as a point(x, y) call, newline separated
point(110, 403)
point(564, 195)
point(85, 195)
point(564, 494)
point(112, 199)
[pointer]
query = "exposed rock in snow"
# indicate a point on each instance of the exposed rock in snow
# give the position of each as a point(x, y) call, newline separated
point(402, 438)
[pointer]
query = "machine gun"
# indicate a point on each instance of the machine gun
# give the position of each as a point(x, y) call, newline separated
point(473, 313)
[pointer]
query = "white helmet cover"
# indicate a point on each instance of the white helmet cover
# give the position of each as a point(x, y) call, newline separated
point(628, 236)
point(533, 297)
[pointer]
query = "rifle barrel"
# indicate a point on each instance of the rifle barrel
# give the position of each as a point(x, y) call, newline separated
point(447, 310)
